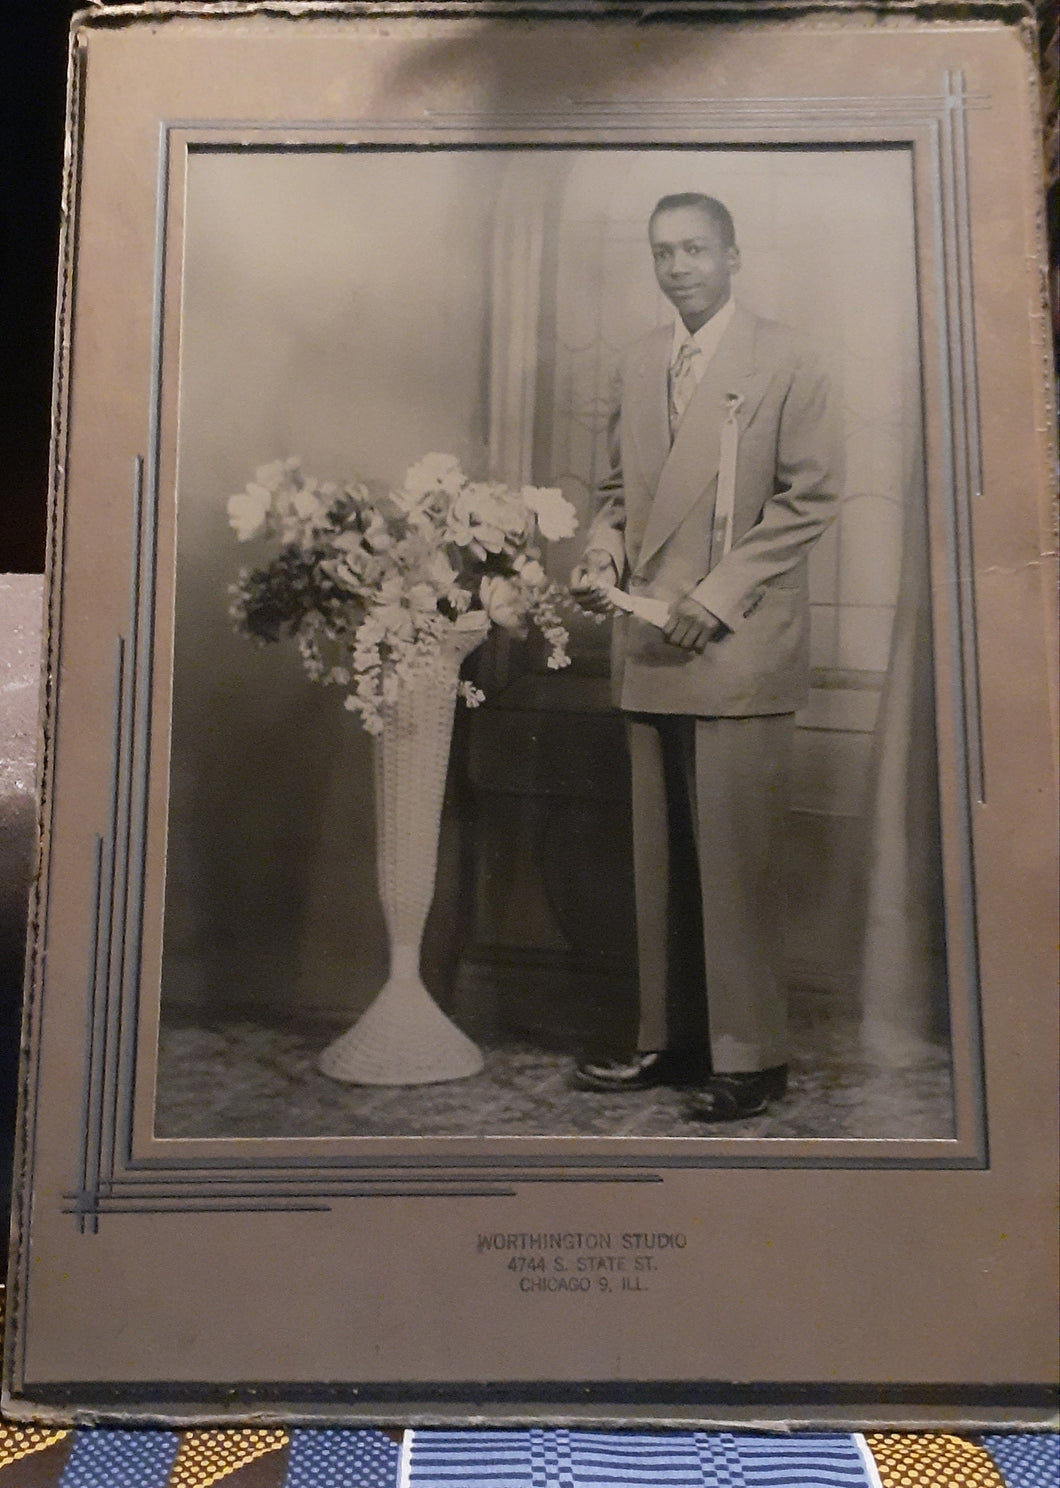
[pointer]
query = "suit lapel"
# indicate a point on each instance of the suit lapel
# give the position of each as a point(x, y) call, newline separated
point(688, 468)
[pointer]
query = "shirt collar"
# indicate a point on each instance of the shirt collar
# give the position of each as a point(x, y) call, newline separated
point(709, 334)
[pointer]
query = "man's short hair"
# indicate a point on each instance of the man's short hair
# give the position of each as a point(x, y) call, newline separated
point(717, 211)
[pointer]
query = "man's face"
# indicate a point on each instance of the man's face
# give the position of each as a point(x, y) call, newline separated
point(692, 264)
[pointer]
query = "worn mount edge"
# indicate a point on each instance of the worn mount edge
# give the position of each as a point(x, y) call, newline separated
point(646, 12)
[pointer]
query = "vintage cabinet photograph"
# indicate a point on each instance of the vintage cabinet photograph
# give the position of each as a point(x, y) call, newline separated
point(547, 790)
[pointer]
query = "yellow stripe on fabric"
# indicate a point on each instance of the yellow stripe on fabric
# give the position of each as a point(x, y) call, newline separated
point(207, 1457)
point(932, 1461)
point(19, 1442)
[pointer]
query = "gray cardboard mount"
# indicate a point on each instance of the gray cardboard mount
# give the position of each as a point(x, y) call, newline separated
point(817, 1282)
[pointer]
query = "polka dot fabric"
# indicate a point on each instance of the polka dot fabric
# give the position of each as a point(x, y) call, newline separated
point(342, 1459)
point(1026, 1459)
point(120, 1459)
point(20, 1442)
point(934, 1461)
point(206, 1458)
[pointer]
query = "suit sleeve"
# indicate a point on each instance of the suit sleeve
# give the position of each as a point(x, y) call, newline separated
point(808, 476)
point(607, 531)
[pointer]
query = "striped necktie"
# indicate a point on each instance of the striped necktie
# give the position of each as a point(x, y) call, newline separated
point(683, 382)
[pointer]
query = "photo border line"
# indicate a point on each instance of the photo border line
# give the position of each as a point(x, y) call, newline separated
point(960, 436)
point(102, 1097)
point(102, 941)
point(968, 436)
point(589, 115)
point(89, 1160)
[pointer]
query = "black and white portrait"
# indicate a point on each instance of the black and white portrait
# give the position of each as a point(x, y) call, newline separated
point(689, 884)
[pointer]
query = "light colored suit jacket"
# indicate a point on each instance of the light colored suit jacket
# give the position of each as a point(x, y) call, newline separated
point(657, 517)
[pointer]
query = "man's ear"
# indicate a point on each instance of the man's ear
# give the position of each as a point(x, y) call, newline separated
point(734, 259)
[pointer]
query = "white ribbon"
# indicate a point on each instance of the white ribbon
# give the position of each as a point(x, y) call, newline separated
point(721, 540)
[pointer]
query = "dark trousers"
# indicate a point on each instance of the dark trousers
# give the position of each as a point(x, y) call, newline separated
point(710, 812)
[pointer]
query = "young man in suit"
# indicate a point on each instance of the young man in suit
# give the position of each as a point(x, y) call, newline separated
point(723, 475)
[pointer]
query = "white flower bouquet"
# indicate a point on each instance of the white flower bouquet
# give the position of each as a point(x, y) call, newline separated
point(372, 582)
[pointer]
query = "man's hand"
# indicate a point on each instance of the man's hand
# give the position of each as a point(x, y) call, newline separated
point(692, 626)
point(595, 573)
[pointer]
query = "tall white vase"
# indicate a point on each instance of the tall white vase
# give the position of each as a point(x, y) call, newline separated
point(404, 1038)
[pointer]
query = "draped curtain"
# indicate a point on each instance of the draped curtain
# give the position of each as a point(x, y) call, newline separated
point(903, 978)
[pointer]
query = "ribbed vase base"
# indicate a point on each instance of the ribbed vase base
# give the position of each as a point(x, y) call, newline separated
point(404, 1038)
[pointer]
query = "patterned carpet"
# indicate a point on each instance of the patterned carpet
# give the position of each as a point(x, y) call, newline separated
point(243, 1079)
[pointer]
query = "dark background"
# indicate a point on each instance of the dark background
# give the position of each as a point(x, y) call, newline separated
point(32, 100)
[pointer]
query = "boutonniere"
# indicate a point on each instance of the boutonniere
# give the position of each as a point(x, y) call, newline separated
point(733, 404)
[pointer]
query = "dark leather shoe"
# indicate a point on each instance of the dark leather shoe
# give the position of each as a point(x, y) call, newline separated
point(642, 1072)
point(737, 1097)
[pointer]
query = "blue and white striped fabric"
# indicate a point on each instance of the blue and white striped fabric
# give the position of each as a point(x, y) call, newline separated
point(830, 1460)
point(120, 1459)
point(543, 1458)
point(1026, 1460)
